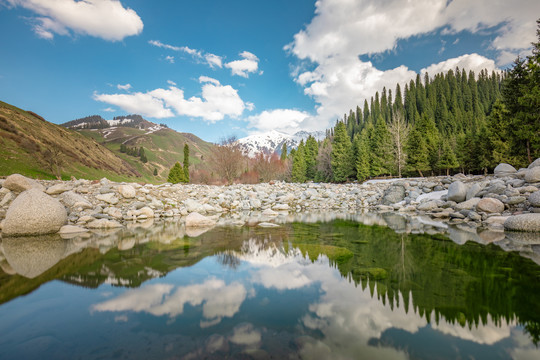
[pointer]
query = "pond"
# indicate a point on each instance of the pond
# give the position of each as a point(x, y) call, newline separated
point(320, 288)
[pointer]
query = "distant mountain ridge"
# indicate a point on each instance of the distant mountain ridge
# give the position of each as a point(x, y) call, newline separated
point(273, 141)
point(98, 122)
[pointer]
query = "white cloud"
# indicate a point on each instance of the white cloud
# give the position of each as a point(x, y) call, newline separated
point(469, 62)
point(170, 82)
point(342, 30)
point(107, 19)
point(109, 109)
point(124, 87)
point(249, 64)
point(169, 59)
point(213, 60)
point(285, 120)
point(217, 101)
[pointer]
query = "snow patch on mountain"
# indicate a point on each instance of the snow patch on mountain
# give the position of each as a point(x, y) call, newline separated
point(273, 141)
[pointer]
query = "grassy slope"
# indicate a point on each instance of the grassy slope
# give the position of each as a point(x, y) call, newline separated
point(162, 148)
point(24, 137)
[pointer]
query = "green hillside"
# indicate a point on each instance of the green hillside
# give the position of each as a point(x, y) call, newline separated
point(34, 147)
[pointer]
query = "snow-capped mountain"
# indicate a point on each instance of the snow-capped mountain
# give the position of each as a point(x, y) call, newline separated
point(273, 141)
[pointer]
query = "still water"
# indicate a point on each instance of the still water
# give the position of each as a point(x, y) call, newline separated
point(327, 289)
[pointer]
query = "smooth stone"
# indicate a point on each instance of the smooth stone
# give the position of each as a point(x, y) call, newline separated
point(269, 212)
point(457, 191)
point(504, 170)
point(393, 194)
point(267, 225)
point(514, 200)
point(71, 229)
point(33, 213)
point(103, 224)
point(280, 207)
point(146, 211)
point(127, 191)
point(58, 189)
point(490, 205)
point(534, 199)
point(428, 206)
point(532, 175)
point(74, 200)
point(496, 220)
point(535, 163)
point(523, 222)
point(195, 219)
point(109, 198)
point(7, 198)
point(490, 236)
point(473, 191)
point(19, 183)
point(193, 205)
point(468, 205)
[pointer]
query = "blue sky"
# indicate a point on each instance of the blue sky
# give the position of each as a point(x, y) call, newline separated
point(217, 68)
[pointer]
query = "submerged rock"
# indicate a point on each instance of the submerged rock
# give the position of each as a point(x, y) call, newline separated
point(33, 213)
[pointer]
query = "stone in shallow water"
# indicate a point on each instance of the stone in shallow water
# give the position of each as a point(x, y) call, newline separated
point(197, 220)
point(32, 213)
point(523, 222)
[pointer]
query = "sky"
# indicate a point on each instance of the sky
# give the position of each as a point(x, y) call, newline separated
point(220, 68)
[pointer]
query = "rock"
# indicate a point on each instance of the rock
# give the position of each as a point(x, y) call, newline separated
point(109, 198)
point(71, 229)
point(523, 222)
point(33, 213)
point(7, 198)
point(533, 175)
point(103, 224)
point(535, 163)
point(127, 191)
point(393, 194)
point(496, 220)
point(514, 200)
point(269, 212)
point(489, 236)
point(280, 207)
point(197, 220)
point(19, 183)
point(457, 191)
point(267, 225)
point(468, 205)
point(192, 205)
point(534, 199)
point(145, 211)
point(490, 205)
point(73, 200)
point(59, 188)
point(474, 216)
point(504, 170)
point(473, 191)
point(428, 206)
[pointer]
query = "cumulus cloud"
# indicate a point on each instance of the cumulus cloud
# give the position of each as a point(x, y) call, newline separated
point(217, 101)
point(343, 30)
point(472, 62)
point(125, 87)
point(284, 120)
point(248, 64)
point(213, 60)
point(107, 19)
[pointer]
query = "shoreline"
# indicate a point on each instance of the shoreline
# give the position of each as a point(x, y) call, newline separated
point(483, 202)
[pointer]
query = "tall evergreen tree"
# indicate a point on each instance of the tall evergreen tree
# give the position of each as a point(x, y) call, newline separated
point(361, 143)
point(186, 163)
point(298, 173)
point(284, 152)
point(342, 154)
point(176, 174)
point(311, 152)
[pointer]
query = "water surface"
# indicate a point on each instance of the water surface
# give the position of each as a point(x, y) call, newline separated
point(328, 289)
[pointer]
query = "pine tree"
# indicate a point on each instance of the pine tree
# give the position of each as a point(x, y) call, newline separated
point(298, 173)
point(186, 163)
point(155, 172)
point(284, 152)
point(311, 150)
point(361, 142)
point(417, 152)
point(176, 174)
point(448, 157)
point(342, 154)
point(381, 147)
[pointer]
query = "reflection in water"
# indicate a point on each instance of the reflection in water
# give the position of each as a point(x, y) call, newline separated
point(317, 289)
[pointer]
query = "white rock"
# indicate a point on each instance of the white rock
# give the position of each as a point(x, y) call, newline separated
point(103, 224)
point(19, 183)
point(267, 225)
point(127, 191)
point(280, 207)
point(32, 213)
point(71, 229)
point(197, 220)
point(109, 198)
point(59, 188)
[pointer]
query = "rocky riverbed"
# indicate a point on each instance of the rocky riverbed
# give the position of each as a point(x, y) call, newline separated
point(506, 200)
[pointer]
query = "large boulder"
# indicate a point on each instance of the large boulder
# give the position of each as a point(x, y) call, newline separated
point(504, 170)
point(393, 194)
point(457, 191)
point(19, 183)
point(490, 206)
point(523, 222)
point(532, 175)
point(33, 213)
